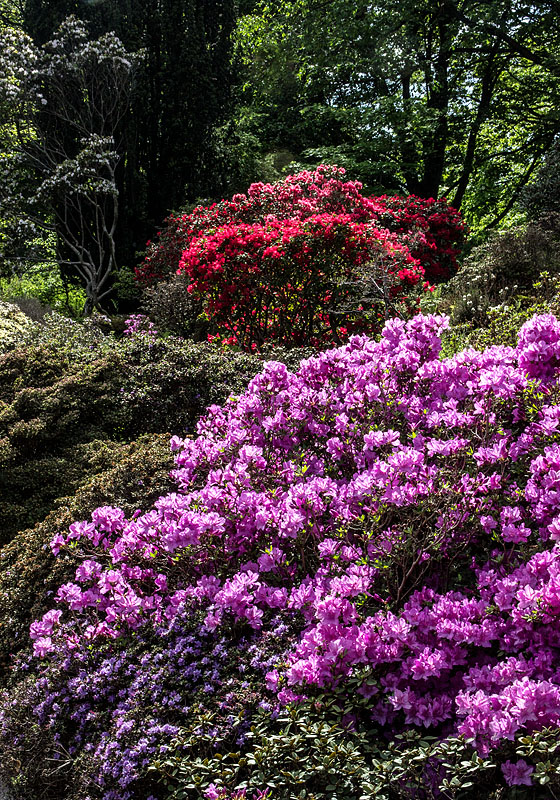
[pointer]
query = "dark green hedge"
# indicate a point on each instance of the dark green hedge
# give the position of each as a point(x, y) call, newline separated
point(57, 398)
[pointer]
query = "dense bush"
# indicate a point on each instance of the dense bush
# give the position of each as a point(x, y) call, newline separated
point(307, 259)
point(501, 323)
point(373, 537)
point(299, 282)
point(167, 383)
point(70, 386)
point(433, 231)
point(31, 484)
point(13, 323)
point(50, 412)
point(130, 475)
point(173, 309)
point(506, 265)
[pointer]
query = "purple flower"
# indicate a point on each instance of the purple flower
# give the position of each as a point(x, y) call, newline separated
point(324, 516)
point(518, 773)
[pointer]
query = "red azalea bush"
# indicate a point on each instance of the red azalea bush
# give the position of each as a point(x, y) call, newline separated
point(296, 247)
point(297, 282)
point(433, 231)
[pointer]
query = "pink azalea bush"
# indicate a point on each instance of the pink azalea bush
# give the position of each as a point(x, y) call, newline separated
point(394, 518)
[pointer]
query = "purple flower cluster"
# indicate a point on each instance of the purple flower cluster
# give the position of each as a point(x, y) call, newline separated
point(539, 346)
point(213, 792)
point(139, 325)
point(117, 709)
point(400, 511)
point(518, 774)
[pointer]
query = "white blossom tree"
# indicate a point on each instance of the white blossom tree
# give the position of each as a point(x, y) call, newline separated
point(62, 105)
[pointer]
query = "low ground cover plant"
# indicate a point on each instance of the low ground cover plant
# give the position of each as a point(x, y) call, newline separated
point(359, 563)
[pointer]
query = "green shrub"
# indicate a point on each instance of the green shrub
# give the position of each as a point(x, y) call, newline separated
point(13, 325)
point(500, 324)
point(76, 342)
point(312, 752)
point(30, 488)
point(173, 310)
point(49, 414)
point(543, 193)
point(71, 385)
point(48, 403)
point(167, 383)
point(506, 265)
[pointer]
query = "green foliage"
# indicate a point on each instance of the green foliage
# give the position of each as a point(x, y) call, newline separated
point(167, 384)
point(44, 283)
point(49, 414)
point(302, 754)
point(506, 265)
point(503, 322)
point(416, 97)
point(71, 385)
point(31, 487)
point(46, 403)
point(76, 342)
point(240, 156)
point(542, 195)
point(500, 324)
point(312, 752)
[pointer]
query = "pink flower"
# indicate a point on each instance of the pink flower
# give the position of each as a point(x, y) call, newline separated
point(272, 679)
point(213, 792)
point(42, 646)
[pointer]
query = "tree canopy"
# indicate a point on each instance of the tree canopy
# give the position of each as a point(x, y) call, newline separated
point(428, 97)
point(64, 101)
point(435, 98)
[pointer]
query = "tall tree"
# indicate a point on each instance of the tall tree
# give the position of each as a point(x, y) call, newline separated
point(64, 102)
point(182, 93)
point(424, 96)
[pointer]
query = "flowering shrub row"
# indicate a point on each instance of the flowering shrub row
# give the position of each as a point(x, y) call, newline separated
point(307, 259)
point(381, 520)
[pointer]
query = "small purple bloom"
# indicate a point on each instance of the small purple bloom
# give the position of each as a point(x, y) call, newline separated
point(518, 773)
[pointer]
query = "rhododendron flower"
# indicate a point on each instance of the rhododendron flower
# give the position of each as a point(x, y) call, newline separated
point(518, 773)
